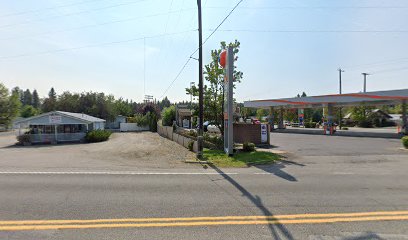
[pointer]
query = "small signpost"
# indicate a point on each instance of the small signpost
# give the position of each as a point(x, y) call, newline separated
point(264, 133)
point(227, 62)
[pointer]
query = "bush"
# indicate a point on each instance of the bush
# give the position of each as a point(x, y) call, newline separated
point(152, 119)
point(25, 138)
point(192, 133)
point(140, 119)
point(405, 141)
point(191, 145)
point(310, 124)
point(365, 124)
point(97, 136)
point(214, 139)
point(168, 116)
point(248, 147)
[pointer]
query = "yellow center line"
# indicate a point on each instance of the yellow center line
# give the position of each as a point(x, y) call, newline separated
point(203, 223)
point(220, 218)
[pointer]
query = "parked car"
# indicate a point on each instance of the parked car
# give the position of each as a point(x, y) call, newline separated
point(256, 121)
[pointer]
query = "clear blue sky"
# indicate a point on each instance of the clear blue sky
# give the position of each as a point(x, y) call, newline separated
point(292, 46)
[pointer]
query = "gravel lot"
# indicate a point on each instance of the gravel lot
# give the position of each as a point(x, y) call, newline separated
point(123, 151)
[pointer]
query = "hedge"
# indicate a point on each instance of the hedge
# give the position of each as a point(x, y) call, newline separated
point(248, 147)
point(97, 136)
point(405, 141)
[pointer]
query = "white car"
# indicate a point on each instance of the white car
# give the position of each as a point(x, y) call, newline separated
point(213, 129)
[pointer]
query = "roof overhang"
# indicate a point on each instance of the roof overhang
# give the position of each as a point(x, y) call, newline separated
point(339, 100)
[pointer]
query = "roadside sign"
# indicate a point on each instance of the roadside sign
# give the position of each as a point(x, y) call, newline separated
point(264, 133)
point(228, 100)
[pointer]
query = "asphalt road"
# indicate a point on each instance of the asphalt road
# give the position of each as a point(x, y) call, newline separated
point(314, 179)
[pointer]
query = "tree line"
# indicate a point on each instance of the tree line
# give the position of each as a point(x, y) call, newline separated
point(27, 103)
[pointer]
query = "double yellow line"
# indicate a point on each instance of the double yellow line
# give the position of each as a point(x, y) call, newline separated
point(203, 221)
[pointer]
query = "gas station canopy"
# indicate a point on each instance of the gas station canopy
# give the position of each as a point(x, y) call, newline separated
point(335, 100)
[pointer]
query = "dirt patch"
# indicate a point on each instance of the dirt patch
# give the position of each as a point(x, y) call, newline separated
point(123, 151)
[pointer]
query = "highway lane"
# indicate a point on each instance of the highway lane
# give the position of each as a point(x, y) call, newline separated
point(246, 192)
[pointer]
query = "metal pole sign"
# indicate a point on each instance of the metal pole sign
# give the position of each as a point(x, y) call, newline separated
point(228, 102)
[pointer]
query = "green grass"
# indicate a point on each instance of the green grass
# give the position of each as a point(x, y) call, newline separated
point(241, 159)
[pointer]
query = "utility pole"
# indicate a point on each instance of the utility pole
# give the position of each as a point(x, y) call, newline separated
point(191, 103)
point(200, 84)
point(340, 92)
point(365, 82)
point(340, 71)
point(144, 65)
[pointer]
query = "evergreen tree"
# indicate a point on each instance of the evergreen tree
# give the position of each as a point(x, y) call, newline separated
point(9, 105)
point(36, 99)
point(28, 97)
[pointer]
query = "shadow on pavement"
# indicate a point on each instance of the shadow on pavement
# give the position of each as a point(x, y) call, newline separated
point(372, 236)
point(276, 229)
point(276, 169)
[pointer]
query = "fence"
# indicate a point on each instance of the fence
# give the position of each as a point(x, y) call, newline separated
point(132, 127)
point(167, 132)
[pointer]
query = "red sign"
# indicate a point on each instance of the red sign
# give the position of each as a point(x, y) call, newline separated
point(223, 59)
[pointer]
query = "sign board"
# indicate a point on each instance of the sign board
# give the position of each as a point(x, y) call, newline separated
point(228, 102)
point(186, 123)
point(55, 119)
point(264, 133)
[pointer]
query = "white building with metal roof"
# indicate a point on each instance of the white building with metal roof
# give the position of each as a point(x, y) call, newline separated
point(58, 126)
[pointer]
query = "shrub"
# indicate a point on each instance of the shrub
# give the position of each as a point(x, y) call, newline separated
point(310, 124)
point(191, 145)
point(25, 138)
point(248, 147)
point(97, 136)
point(192, 133)
point(152, 119)
point(139, 119)
point(168, 116)
point(365, 124)
point(405, 141)
point(214, 139)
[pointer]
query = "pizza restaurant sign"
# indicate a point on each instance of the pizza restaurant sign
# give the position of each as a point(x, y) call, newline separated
point(55, 119)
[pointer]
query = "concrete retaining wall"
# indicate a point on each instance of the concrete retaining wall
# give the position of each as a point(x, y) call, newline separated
point(167, 132)
point(132, 127)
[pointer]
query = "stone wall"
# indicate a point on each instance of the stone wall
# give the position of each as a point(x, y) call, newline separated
point(167, 132)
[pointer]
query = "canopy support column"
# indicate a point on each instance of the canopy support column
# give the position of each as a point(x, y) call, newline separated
point(280, 125)
point(404, 117)
point(271, 119)
point(330, 117)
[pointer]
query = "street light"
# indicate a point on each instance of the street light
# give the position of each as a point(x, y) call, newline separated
point(365, 81)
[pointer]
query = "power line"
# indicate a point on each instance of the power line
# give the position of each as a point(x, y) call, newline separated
point(91, 45)
point(177, 76)
point(93, 25)
point(310, 31)
point(219, 25)
point(191, 55)
point(392, 61)
point(47, 8)
point(391, 70)
point(315, 7)
point(72, 14)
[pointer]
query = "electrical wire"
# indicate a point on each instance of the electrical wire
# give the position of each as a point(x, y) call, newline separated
point(209, 36)
point(316, 7)
point(48, 8)
point(72, 14)
point(91, 45)
point(93, 25)
point(310, 31)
